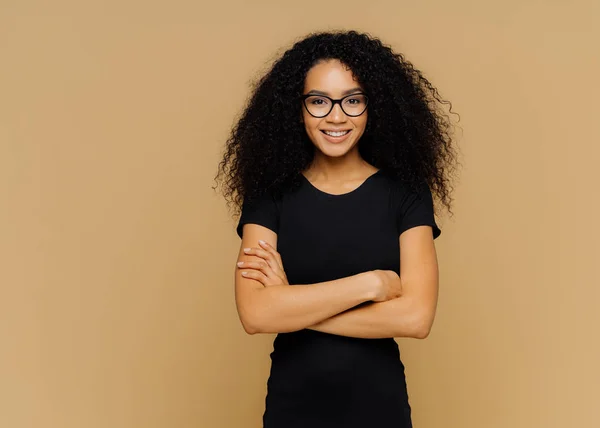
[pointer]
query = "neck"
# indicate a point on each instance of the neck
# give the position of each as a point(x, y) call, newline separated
point(339, 168)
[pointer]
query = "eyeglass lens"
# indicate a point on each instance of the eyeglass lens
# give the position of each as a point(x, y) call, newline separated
point(320, 106)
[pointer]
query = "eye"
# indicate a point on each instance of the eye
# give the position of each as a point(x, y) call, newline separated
point(317, 101)
point(355, 100)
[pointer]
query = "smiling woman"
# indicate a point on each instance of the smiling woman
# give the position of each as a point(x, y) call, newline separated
point(337, 226)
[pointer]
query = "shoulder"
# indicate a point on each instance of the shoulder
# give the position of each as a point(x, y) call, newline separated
point(262, 210)
point(265, 207)
point(402, 190)
point(412, 203)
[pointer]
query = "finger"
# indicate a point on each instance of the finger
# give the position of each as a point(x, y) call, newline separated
point(263, 254)
point(272, 257)
point(261, 266)
point(273, 251)
point(257, 275)
point(274, 275)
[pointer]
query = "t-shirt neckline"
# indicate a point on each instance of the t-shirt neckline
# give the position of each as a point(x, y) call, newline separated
point(339, 195)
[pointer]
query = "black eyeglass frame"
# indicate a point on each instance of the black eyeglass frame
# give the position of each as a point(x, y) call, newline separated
point(334, 102)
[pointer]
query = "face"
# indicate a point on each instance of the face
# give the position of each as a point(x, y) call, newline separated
point(333, 79)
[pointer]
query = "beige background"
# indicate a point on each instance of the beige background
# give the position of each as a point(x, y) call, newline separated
point(117, 258)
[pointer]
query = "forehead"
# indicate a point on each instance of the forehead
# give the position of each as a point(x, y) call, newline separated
point(331, 77)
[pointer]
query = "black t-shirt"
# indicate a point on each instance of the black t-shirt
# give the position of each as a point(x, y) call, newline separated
point(319, 379)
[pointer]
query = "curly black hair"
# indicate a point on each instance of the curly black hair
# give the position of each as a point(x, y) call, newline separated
point(408, 134)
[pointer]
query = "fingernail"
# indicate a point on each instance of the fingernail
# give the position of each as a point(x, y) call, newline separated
point(244, 273)
point(262, 242)
point(240, 263)
point(246, 250)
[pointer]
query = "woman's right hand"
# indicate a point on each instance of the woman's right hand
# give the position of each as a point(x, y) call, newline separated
point(387, 285)
point(269, 271)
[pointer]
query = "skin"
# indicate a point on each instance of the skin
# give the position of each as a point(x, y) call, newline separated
point(403, 306)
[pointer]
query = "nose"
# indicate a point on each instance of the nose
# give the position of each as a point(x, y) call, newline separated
point(336, 115)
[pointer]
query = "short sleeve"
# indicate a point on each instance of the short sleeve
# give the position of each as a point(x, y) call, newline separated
point(416, 209)
point(262, 211)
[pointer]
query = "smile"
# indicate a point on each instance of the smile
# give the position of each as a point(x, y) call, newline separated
point(336, 134)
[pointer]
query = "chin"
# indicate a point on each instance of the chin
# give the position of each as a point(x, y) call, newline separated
point(335, 152)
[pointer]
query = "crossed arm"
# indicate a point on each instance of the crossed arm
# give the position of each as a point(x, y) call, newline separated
point(397, 306)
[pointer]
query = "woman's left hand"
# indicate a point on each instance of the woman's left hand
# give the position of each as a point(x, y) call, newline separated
point(268, 271)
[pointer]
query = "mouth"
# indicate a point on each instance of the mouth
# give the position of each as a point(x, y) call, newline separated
point(336, 137)
point(336, 134)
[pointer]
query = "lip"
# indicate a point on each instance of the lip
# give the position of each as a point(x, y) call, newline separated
point(336, 139)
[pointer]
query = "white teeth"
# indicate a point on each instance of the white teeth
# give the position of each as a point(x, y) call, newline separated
point(336, 134)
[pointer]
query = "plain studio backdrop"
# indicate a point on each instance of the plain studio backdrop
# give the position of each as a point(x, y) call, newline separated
point(117, 258)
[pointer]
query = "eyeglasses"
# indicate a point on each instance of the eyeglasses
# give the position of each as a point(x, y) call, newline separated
point(321, 105)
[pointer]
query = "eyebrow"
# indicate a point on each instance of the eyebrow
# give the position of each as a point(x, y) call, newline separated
point(348, 92)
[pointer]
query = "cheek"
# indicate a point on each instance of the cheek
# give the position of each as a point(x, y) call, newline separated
point(311, 124)
point(361, 124)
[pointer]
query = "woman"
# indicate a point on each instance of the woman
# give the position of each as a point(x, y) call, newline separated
point(333, 162)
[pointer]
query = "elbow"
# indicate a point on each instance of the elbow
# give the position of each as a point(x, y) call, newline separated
point(253, 327)
point(250, 314)
point(422, 324)
point(256, 320)
point(250, 323)
point(263, 326)
point(249, 328)
point(255, 324)
point(422, 332)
